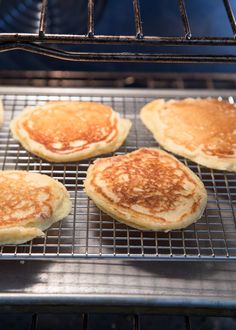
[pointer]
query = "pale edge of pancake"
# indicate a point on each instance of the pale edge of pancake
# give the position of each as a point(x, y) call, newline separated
point(150, 118)
point(141, 221)
point(1, 111)
point(34, 228)
point(93, 150)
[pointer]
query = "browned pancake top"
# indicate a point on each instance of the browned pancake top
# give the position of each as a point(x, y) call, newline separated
point(21, 200)
point(147, 178)
point(208, 123)
point(63, 127)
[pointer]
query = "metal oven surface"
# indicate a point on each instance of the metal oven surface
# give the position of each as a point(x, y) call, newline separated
point(88, 232)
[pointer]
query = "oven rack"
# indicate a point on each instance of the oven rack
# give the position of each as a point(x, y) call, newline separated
point(42, 41)
point(88, 232)
point(130, 321)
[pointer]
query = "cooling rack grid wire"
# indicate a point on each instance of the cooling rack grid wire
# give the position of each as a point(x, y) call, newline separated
point(88, 232)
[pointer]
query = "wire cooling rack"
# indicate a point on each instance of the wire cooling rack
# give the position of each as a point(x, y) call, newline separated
point(88, 232)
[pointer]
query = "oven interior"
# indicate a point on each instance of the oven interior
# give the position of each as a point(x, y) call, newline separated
point(88, 233)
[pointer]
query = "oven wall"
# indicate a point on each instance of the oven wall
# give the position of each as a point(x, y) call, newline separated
point(115, 17)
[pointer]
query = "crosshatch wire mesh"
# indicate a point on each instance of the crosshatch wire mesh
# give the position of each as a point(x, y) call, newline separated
point(88, 232)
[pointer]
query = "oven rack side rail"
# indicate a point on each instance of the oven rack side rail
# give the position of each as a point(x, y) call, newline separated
point(41, 42)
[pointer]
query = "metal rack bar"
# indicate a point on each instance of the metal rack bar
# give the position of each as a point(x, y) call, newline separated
point(85, 321)
point(184, 18)
point(187, 323)
point(220, 217)
point(232, 208)
point(34, 322)
point(74, 214)
point(138, 20)
point(50, 38)
point(87, 227)
point(90, 18)
point(136, 322)
point(43, 15)
point(119, 57)
point(38, 42)
point(230, 16)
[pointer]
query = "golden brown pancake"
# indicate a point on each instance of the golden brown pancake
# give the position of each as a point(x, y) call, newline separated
point(203, 130)
point(70, 130)
point(146, 189)
point(29, 203)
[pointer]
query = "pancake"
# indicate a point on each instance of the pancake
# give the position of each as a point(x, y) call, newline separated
point(202, 130)
point(29, 204)
point(65, 131)
point(146, 189)
point(1, 112)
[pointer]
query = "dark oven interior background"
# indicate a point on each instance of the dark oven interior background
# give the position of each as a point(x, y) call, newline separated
point(207, 18)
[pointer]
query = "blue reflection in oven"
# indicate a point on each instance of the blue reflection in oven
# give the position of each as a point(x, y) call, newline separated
point(207, 18)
